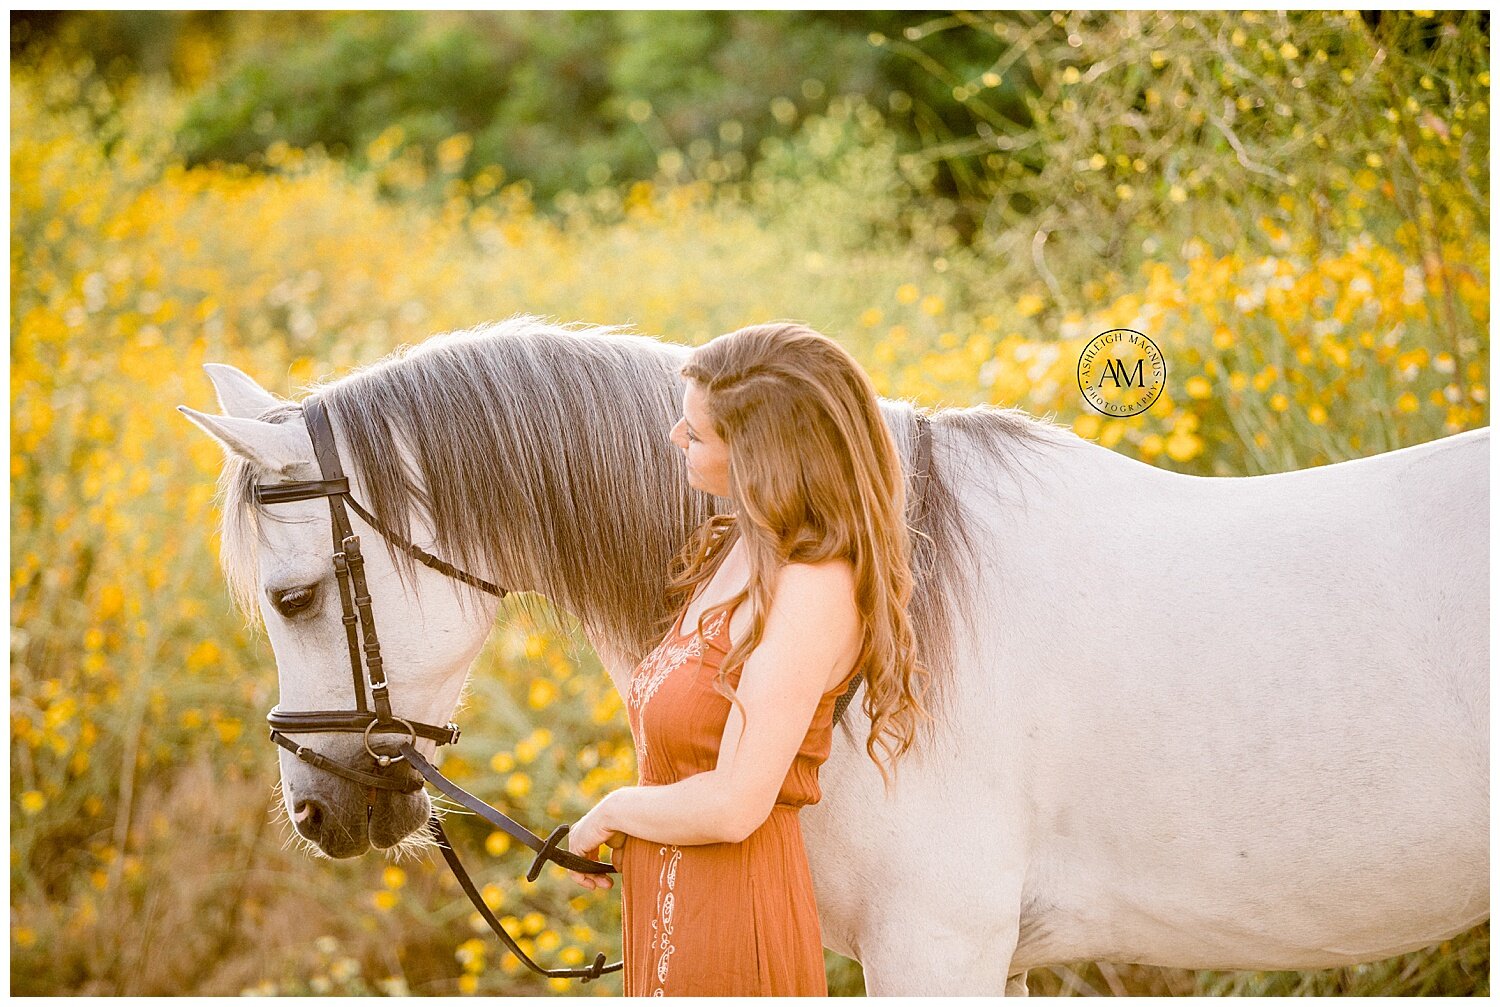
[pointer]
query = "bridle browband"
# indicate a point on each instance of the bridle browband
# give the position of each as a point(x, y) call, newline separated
point(376, 716)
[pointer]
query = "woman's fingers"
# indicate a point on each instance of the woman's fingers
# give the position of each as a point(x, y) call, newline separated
point(592, 880)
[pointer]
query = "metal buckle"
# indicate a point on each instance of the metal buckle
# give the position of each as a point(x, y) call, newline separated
point(387, 760)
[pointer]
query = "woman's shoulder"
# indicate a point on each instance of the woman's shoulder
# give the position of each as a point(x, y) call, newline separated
point(821, 575)
point(814, 622)
point(821, 594)
point(825, 588)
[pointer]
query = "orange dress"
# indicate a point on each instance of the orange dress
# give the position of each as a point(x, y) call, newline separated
point(719, 919)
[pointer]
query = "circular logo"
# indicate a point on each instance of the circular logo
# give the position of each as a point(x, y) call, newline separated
point(1121, 372)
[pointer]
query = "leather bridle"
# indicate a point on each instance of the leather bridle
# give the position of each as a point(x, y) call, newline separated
point(376, 716)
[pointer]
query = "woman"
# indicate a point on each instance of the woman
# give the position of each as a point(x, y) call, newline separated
point(732, 713)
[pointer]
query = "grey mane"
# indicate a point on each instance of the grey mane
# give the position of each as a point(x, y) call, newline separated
point(541, 456)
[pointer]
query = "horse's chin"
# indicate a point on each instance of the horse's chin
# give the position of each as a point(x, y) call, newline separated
point(339, 836)
point(393, 821)
point(345, 847)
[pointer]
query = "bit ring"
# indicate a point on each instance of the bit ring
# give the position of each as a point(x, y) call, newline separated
point(387, 760)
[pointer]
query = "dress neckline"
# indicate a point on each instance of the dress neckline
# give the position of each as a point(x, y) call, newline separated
point(677, 633)
point(678, 636)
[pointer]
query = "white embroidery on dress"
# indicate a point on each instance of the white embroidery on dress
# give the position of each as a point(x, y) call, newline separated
point(661, 926)
point(668, 656)
point(648, 676)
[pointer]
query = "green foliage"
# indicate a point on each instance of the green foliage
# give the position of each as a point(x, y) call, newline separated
point(1093, 136)
point(566, 100)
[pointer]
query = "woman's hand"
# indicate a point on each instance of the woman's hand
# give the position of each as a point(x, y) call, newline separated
point(584, 839)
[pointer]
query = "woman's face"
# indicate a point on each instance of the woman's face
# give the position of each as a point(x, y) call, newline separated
point(707, 455)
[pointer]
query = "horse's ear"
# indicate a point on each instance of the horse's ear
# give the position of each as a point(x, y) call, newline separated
point(239, 394)
point(273, 448)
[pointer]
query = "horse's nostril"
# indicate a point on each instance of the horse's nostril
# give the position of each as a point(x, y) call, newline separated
point(309, 817)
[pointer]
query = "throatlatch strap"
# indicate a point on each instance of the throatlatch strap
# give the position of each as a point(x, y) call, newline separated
point(321, 431)
point(424, 557)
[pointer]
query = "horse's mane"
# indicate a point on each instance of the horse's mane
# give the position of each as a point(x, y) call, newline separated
point(539, 453)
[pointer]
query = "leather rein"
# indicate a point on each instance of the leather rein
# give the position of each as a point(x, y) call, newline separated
point(375, 717)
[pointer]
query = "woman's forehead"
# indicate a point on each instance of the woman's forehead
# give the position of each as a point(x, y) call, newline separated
point(692, 406)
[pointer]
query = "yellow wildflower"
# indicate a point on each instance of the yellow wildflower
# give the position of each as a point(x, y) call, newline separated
point(542, 693)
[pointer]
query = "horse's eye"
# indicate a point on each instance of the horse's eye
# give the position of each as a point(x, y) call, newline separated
point(294, 600)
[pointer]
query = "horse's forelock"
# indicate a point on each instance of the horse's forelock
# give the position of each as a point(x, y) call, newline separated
point(240, 521)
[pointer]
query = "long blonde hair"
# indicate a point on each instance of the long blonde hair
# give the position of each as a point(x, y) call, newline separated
point(814, 474)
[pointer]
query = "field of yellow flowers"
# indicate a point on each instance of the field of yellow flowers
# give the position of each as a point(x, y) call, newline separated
point(148, 855)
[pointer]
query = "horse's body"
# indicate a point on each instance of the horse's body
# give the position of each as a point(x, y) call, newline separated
point(1208, 723)
point(1205, 723)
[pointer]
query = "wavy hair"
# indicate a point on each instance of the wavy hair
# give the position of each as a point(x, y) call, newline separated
point(814, 475)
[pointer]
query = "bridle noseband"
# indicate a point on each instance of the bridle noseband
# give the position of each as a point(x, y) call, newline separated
point(376, 715)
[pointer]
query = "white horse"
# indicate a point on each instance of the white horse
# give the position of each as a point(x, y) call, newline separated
point(1207, 723)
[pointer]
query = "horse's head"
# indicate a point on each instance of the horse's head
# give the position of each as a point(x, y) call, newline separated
point(279, 559)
